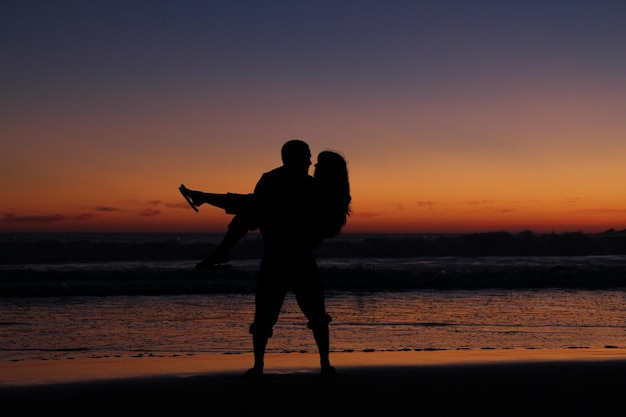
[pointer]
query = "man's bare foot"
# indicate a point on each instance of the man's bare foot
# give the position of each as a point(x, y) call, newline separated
point(254, 373)
point(328, 371)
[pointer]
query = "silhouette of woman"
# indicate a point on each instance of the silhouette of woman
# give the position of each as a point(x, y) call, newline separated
point(331, 175)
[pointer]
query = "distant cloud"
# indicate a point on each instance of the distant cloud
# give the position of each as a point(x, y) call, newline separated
point(105, 208)
point(145, 203)
point(478, 202)
point(574, 200)
point(149, 213)
point(11, 218)
point(182, 205)
point(426, 204)
point(148, 203)
point(601, 211)
point(84, 216)
point(505, 210)
point(179, 205)
point(366, 215)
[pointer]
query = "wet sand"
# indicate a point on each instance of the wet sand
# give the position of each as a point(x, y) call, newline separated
point(585, 382)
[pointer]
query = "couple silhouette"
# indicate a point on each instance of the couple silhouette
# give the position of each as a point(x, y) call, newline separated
point(294, 212)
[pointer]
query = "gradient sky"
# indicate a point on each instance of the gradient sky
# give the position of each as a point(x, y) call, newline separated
point(454, 116)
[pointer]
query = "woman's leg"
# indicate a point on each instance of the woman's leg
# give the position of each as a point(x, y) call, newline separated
point(232, 203)
point(241, 205)
point(237, 229)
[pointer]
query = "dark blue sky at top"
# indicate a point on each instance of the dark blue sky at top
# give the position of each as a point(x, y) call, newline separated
point(130, 42)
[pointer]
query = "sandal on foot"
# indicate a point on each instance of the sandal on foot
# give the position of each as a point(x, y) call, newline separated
point(185, 192)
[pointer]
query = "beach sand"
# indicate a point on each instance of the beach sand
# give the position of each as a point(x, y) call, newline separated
point(568, 382)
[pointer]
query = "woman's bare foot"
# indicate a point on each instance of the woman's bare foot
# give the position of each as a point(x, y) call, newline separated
point(216, 259)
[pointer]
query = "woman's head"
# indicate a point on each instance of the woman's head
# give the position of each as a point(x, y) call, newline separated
point(330, 165)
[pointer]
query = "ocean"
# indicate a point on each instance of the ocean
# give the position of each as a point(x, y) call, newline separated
point(66, 296)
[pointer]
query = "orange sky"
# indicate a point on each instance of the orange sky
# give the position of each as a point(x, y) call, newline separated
point(452, 119)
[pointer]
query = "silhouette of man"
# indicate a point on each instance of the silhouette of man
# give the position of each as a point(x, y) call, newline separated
point(287, 202)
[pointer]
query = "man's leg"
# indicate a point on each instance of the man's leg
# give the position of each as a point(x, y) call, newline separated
point(259, 343)
point(268, 303)
point(312, 303)
point(321, 334)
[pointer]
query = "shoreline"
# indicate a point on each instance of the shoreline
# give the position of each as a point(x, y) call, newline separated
point(563, 382)
point(45, 372)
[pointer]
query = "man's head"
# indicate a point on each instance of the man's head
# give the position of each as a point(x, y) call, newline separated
point(295, 153)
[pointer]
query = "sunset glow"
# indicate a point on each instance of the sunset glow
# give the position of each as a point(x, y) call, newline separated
point(454, 117)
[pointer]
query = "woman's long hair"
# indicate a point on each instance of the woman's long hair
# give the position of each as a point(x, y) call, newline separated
point(331, 173)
